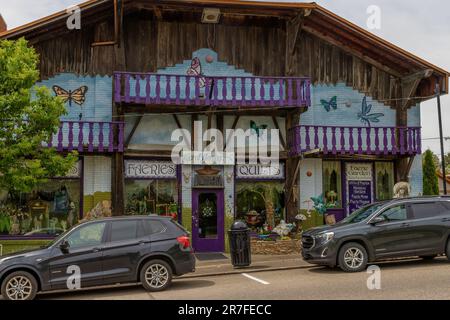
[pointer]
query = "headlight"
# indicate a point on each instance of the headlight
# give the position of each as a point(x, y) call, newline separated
point(324, 237)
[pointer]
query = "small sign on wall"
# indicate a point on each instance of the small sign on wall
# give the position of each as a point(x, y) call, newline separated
point(359, 177)
point(150, 169)
point(359, 171)
point(257, 171)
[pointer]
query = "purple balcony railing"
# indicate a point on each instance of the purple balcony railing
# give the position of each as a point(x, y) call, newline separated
point(165, 89)
point(355, 140)
point(89, 136)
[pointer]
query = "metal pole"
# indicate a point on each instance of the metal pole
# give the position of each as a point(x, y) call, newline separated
point(441, 137)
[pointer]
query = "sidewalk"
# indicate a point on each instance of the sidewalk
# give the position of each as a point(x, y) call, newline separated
point(259, 263)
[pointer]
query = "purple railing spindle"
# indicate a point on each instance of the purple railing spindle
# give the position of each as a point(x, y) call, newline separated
point(111, 138)
point(342, 140)
point(91, 137)
point(289, 92)
point(325, 140)
point(80, 136)
point(70, 136)
point(158, 89)
point(393, 141)
point(168, 89)
point(253, 91)
point(307, 139)
point(377, 141)
point(368, 141)
point(147, 89)
point(350, 141)
point(402, 140)
point(100, 136)
point(316, 137)
point(137, 89)
point(127, 88)
point(60, 137)
point(333, 140)
point(359, 141)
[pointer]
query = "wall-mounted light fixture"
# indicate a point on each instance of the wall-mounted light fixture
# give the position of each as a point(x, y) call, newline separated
point(210, 15)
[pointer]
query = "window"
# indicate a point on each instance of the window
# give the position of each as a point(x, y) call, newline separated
point(384, 180)
point(332, 183)
point(156, 196)
point(153, 226)
point(124, 230)
point(260, 202)
point(87, 236)
point(49, 210)
point(396, 213)
point(427, 210)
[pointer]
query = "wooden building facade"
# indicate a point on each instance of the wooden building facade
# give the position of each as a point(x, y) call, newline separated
point(345, 102)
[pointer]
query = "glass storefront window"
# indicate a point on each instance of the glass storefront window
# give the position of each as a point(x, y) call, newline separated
point(47, 211)
point(384, 174)
point(259, 203)
point(332, 190)
point(153, 196)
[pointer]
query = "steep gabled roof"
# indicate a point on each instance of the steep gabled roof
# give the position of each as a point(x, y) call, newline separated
point(318, 21)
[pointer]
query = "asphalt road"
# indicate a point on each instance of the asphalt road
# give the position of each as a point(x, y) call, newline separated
point(413, 279)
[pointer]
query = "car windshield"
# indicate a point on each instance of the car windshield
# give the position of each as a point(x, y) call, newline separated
point(362, 213)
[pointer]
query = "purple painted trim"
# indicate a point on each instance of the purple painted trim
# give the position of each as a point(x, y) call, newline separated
point(176, 85)
point(86, 138)
point(369, 140)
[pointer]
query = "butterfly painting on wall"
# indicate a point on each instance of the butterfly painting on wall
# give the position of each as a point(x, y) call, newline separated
point(196, 70)
point(365, 116)
point(257, 128)
point(329, 105)
point(78, 95)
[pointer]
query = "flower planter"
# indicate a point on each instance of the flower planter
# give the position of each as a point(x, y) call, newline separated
point(277, 247)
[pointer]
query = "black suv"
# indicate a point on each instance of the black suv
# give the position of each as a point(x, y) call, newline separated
point(146, 249)
point(391, 229)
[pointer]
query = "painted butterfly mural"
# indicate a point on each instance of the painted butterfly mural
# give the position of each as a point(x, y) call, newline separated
point(196, 70)
point(365, 116)
point(328, 105)
point(257, 128)
point(78, 95)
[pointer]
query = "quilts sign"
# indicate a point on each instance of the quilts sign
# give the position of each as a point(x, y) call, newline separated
point(150, 169)
point(256, 171)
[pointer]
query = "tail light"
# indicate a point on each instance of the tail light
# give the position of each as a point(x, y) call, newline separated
point(184, 242)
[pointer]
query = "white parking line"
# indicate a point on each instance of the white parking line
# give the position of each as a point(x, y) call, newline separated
point(255, 279)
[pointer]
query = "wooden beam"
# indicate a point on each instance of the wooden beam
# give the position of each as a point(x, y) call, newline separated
point(275, 123)
point(136, 124)
point(410, 84)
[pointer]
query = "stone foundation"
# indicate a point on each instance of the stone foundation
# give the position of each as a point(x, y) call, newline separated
point(277, 247)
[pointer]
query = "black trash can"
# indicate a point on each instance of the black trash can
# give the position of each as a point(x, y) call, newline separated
point(239, 237)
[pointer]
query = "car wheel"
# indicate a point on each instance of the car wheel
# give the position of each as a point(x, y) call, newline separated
point(19, 285)
point(156, 275)
point(352, 257)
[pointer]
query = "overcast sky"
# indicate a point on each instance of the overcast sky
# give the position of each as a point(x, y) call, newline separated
point(421, 27)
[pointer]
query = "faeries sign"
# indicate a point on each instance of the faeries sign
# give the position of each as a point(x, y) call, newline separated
point(359, 171)
point(258, 171)
point(150, 169)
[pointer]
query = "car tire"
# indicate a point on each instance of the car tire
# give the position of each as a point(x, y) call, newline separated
point(352, 257)
point(156, 275)
point(19, 285)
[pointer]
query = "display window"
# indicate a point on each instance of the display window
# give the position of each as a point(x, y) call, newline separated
point(260, 203)
point(49, 210)
point(153, 196)
point(384, 175)
point(332, 185)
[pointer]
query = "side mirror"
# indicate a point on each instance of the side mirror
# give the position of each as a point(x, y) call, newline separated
point(377, 220)
point(64, 246)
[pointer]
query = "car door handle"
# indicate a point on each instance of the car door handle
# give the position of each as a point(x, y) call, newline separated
point(96, 249)
point(405, 225)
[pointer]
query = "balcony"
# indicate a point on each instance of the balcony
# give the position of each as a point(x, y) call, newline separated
point(219, 91)
point(337, 140)
point(89, 136)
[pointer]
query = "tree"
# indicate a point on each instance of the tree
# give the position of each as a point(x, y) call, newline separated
point(29, 116)
point(430, 180)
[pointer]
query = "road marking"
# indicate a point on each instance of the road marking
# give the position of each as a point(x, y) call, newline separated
point(254, 278)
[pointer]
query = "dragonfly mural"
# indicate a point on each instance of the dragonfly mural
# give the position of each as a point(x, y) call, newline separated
point(365, 116)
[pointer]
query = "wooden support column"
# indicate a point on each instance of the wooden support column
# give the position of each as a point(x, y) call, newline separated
point(292, 177)
point(409, 86)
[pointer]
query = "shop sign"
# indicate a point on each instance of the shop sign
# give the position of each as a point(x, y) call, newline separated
point(359, 171)
point(258, 171)
point(359, 194)
point(150, 169)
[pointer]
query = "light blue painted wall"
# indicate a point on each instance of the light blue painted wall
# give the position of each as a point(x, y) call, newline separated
point(97, 106)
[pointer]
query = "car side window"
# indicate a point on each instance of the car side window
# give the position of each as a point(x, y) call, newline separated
point(152, 226)
point(427, 210)
point(87, 236)
point(124, 230)
point(396, 213)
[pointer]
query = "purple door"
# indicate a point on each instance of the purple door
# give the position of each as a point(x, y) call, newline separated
point(207, 220)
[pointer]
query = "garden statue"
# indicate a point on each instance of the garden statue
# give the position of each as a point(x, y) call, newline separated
point(401, 190)
point(283, 229)
point(299, 218)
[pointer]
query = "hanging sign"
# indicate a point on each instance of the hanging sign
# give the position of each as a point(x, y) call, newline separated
point(150, 169)
point(257, 171)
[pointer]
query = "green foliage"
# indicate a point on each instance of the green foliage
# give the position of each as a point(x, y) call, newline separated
point(29, 116)
point(430, 180)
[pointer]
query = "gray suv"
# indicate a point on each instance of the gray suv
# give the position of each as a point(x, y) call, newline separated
point(390, 229)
